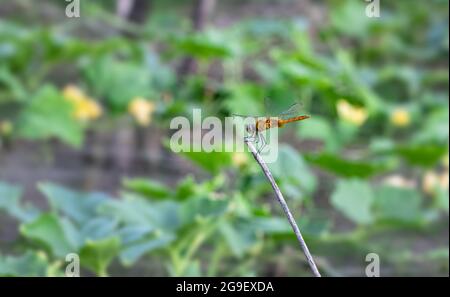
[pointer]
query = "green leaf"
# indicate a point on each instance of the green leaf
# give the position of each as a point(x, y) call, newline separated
point(442, 200)
point(132, 252)
point(245, 99)
point(348, 168)
point(13, 84)
point(49, 230)
point(381, 144)
point(28, 264)
point(271, 225)
point(354, 198)
point(10, 202)
point(97, 255)
point(293, 173)
point(309, 225)
point(399, 204)
point(77, 205)
point(318, 128)
point(302, 74)
point(213, 162)
point(315, 223)
point(206, 45)
point(118, 82)
point(435, 128)
point(239, 238)
point(129, 234)
point(49, 115)
point(137, 211)
point(98, 228)
point(9, 195)
point(202, 207)
point(193, 269)
point(186, 188)
point(350, 18)
point(146, 187)
point(424, 155)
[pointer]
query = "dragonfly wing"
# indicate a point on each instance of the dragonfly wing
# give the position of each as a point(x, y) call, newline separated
point(293, 110)
point(244, 116)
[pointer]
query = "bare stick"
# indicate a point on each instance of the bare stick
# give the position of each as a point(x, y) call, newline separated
point(285, 207)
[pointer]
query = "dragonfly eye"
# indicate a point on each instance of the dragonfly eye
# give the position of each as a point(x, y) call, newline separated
point(249, 128)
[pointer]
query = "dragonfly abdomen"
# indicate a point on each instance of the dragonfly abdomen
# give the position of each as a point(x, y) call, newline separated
point(293, 119)
point(267, 123)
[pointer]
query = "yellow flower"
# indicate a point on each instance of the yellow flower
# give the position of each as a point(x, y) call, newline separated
point(73, 93)
point(85, 107)
point(350, 113)
point(400, 117)
point(432, 181)
point(399, 181)
point(239, 159)
point(429, 182)
point(6, 127)
point(142, 110)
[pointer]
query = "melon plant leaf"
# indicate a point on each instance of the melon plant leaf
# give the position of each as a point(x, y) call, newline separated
point(49, 230)
point(49, 115)
point(97, 255)
point(354, 199)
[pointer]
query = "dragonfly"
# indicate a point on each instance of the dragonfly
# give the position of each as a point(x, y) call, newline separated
point(264, 123)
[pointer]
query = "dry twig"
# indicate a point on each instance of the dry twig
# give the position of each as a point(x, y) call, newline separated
point(285, 207)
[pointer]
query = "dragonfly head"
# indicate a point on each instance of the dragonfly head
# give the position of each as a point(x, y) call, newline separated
point(250, 128)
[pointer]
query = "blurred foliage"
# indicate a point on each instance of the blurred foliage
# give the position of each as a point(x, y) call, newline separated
point(377, 90)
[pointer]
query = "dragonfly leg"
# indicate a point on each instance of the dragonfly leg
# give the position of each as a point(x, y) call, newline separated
point(249, 138)
point(263, 143)
point(253, 137)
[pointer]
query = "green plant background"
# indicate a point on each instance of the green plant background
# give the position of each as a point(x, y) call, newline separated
point(115, 194)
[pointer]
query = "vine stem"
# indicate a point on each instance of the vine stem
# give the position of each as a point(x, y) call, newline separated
point(285, 207)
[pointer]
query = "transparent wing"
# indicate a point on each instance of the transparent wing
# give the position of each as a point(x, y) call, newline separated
point(244, 116)
point(293, 110)
point(265, 103)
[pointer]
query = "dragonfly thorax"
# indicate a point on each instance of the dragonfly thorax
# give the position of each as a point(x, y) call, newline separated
point(266, 123)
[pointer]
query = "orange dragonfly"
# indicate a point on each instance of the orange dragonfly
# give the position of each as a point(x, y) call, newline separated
point(263, 123)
